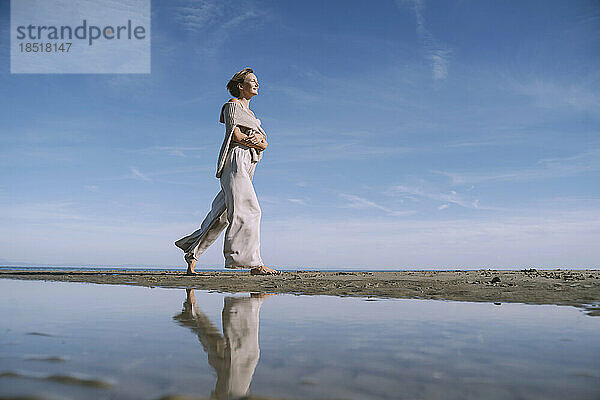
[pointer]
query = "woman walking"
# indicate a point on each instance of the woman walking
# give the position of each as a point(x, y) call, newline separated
point(236, 206)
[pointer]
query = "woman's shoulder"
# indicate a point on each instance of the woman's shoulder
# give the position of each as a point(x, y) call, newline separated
point(237, 102)
point(232, 103)
point(229, 104)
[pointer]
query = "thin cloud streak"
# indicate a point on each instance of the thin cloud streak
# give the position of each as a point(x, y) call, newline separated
point(548, 168)
point(177, 151)
point(339, 147)
point(452, 197)
point(45, 212)
point(552, 95)
point(212, 20)
point(136, 174)
point(198, 14)
point(357, 202)
point(437, 53)
point(297, 201)
point(503, 140)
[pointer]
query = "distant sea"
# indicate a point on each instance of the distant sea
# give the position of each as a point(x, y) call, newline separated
point(206, 268)
point(209, 268)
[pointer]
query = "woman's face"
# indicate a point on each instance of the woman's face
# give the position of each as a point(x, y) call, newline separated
point(249, 87)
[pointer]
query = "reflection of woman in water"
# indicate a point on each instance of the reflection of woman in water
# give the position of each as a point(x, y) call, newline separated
point(234, 354)
point(236, 206)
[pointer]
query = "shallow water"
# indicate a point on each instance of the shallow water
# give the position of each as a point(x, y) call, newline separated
point(76, 340)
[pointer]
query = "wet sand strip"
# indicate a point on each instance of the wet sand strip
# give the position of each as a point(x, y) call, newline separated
point(580, 288)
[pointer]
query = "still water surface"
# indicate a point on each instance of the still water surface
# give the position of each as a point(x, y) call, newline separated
point(75, 340)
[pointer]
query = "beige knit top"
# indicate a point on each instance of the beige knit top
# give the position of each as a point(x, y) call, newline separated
point(235, 114)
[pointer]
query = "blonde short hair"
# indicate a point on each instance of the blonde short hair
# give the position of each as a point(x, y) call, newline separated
point(232, 85)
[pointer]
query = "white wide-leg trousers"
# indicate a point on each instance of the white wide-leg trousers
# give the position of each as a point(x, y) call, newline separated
point(236, 208)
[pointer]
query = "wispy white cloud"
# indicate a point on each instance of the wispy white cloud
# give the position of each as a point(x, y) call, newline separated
point(196, 15)
point(501, 140)
point(451, 197)
point(312, 87)
point(297, 201)
point(437, 53)
point(530, 238)
point(547, 168)
point(556, 95)
point(357, 202)
point(42, 212)
point(178, 151)
point(542, 237)
point(571, 202)
point(215, 21)
point(297, 94)
point(139, 86)
point(64, 232)
point(136, 174)
point(335, 146)
point(584, 161)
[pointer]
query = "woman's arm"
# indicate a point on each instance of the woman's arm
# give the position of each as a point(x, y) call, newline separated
point(249, 138)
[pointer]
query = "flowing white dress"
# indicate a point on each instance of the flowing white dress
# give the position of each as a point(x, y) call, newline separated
point(236, 206)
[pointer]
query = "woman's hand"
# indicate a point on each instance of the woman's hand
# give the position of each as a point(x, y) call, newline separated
point(258, 139)
point(249, 138)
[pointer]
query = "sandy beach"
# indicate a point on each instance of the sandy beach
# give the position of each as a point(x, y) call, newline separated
point(580, 288)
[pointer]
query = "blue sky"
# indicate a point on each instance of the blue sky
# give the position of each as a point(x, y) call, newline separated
point(403, 134)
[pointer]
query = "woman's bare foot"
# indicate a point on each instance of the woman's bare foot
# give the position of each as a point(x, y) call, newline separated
point(264, 270)
point(191, 265)
point(262, 295)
